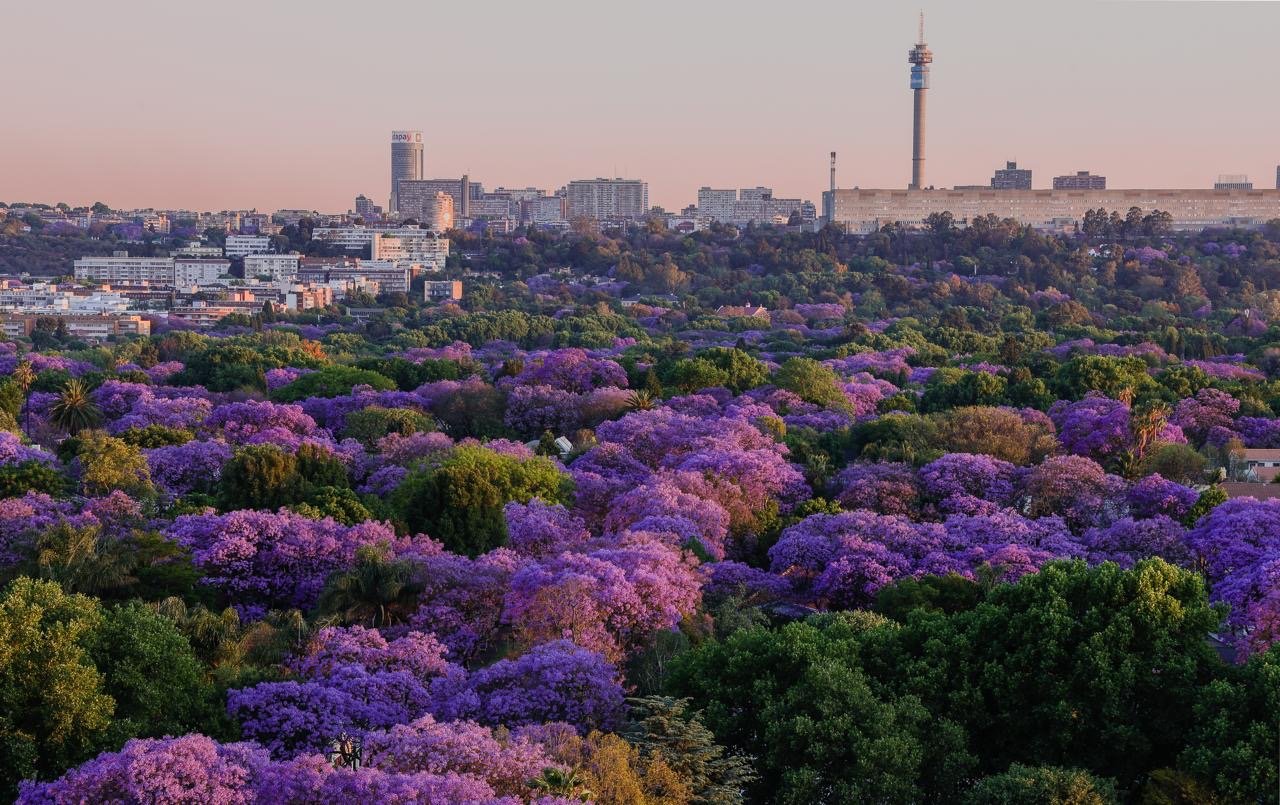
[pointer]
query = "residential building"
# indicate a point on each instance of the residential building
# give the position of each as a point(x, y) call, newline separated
point(544, 209)
point(867, 210)
point(189, 271)
point(1261, 464)
point(1080, 180)
point(197, 249)
point(389, 277)
point(406, 162)
point(277, 267)
point(1233, 181)
point(607, 199)
point(158, 223)
point(293, 217)
point(1011, 178)
point(751, 205)
point(716, 205)
point(308, 297)
point(204, 314)
point(366, 209)
point(437, 213)
point(416, 193)
point(242, 245)
point(493, 206)
point(442, 290)
point(86, 327)
point(122, 268)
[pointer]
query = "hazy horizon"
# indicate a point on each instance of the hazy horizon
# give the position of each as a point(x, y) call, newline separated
point(291, 105)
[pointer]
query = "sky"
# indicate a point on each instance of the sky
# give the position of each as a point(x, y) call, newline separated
point(290, 104)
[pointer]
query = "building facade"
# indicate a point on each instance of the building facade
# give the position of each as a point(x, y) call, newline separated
point(415, 194)
point(122, 268)
point(607, 199)
point(242, 245)
point(1011, 177)
point(189, 271)
point(278, 267)
point(366, 209)
point(1233, 181)
point(1080, 180)
point(867, 210)
point(716, 205)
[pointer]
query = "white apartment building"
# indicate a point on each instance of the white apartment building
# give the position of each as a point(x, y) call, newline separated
point(122, 268)
point(188, 271)
point(400, 245)
point(607, 199)
point(716, 205)
point(243, 245)
point(279, 267)
point(197, 249)
point(545, 209)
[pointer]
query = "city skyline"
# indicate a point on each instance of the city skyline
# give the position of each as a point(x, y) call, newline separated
point(1058, 95)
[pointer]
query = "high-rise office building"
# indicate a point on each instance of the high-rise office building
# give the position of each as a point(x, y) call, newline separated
point(1080, 180)
point(1233, 181)
point(920, 57)
point(1011, 177)
point(406, 162)
point(607, 199)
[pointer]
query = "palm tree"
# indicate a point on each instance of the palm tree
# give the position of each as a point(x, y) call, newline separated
point(82, 561)
point(376, 591)
point(25, 375)
point(75, 410)
point(641, 400)
point(567, 784)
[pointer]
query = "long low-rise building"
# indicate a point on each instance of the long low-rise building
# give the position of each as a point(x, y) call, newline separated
point(867, 210)
point(88, 327)
point(122, 268)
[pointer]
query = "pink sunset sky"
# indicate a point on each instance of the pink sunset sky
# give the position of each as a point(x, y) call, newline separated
point(290, 104)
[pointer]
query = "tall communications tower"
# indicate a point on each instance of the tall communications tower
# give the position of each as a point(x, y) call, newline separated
point(920, 57)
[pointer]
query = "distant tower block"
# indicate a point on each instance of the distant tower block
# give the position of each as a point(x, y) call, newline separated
point(920, 57)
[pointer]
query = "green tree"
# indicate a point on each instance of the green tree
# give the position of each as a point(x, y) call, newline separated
point(1234, 735)
point(17, 480)
point(744, 372)
point(1118, 378)
point(1042, 785)
point(953, 388)
point(693, 374)
point(159, 686)
point(109, 464)
point(664, 727)
point(811, 381)
point(821, 728)
point(368, 425)
point(260, 476)
point(897, 437)
point(331, 381)
point(53, 709)
point(460, 502)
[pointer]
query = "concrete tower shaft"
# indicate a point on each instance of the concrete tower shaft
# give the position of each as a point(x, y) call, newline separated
point(919, 57)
